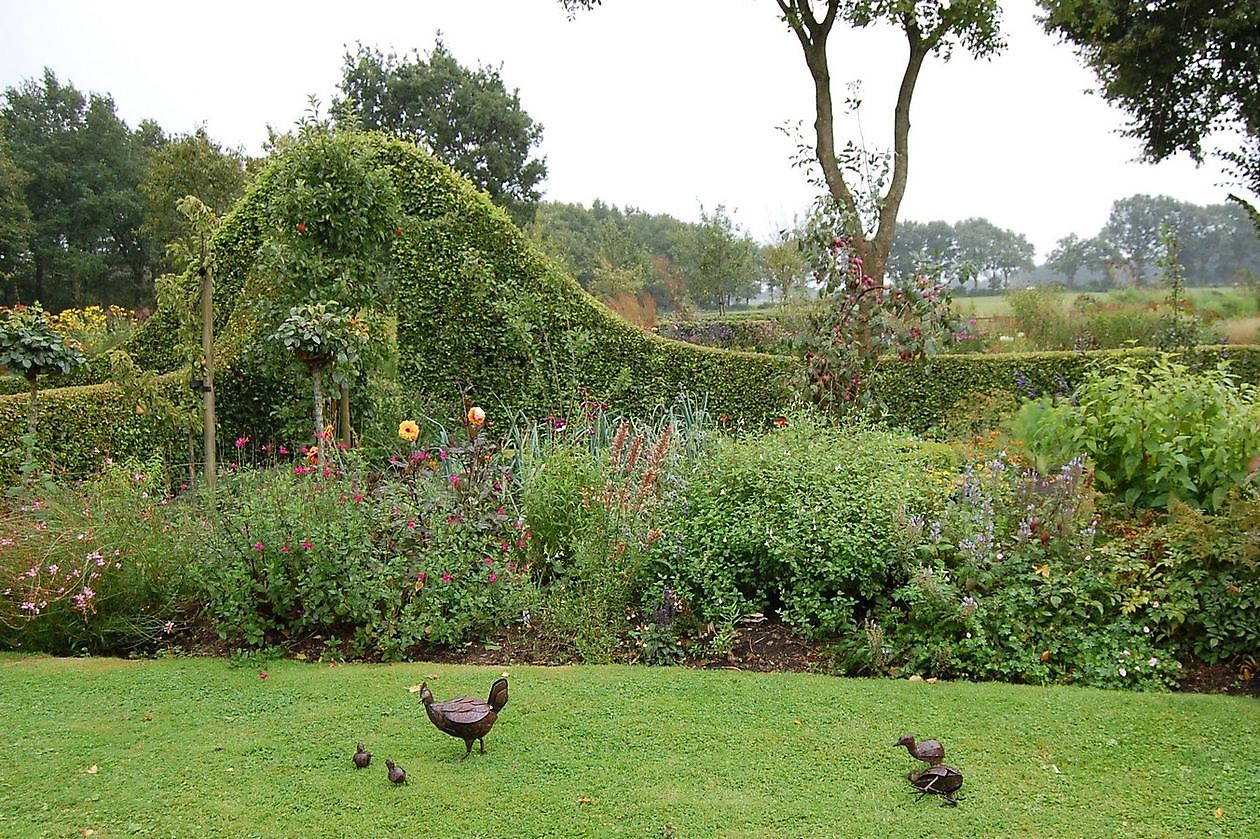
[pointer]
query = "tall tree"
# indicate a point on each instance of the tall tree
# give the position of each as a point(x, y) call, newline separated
point(468, 118)
point(1132, 231)
point(187, 165)
point(1182, 70)
point(784, 264)
point(82, 166)
point(992, 251)
point(929, 245)
point(721, 261)
point(15, 222)
point(931, 27)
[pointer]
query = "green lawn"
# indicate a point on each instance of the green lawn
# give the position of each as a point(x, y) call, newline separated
point(196, 747)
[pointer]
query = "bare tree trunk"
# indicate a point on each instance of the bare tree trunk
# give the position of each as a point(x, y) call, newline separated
point(343, 415)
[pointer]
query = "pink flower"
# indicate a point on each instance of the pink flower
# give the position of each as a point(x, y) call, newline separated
point(446, 578)
point(493, 576)
point(168, 627)
point(258, 546)
point(241, 441)
point(358, 497)
point(283, 450)
point(489, 560)
point(284, 549)
point(411, 524)
point(308, 545)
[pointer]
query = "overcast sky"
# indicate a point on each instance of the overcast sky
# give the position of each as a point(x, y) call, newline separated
point(663, 105)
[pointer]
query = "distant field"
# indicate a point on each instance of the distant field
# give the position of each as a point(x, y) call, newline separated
point(1230, 302)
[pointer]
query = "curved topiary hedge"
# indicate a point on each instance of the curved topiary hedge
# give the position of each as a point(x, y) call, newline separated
point(475, 303)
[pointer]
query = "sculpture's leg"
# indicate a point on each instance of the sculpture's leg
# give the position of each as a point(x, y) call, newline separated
point(482, 741)
point(467, 750)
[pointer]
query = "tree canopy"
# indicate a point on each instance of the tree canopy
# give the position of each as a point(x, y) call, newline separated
point(467, 118)
point(1182, 70)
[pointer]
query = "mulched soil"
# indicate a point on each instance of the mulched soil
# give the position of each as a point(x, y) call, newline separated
point(761, 647)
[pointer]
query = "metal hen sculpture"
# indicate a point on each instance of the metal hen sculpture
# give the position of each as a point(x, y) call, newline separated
point(467, 718)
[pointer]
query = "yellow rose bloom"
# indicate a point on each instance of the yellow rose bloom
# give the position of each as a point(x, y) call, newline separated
point(476, 416)
point(408, 430)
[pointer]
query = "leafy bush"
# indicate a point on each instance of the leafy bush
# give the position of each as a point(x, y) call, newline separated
point(1194, 579)
point(1006, 585)
point(89, 568)
point(797, 522)
point(1153, 433)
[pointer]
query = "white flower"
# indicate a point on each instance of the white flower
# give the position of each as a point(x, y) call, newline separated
point(1147, 630)
point(1123, 672)
point(1153, 661)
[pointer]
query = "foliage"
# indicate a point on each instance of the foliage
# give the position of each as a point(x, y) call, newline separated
point(1197, 54)
point(1153, 433)
point(331, 214)
point(30, 344)
point(191, 164)
point(596, 508)
point(323, 332)
point(15, 216)
point(916, 399)
point(466, 118)
point(81, 166)
point(88, 568)
point(766, 335)
point(1194, 578)
point(719, 261)
point(864, 321)
point(796, 522)
point(1004, 585)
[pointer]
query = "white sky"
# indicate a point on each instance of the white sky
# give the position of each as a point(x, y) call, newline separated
point(664, 105)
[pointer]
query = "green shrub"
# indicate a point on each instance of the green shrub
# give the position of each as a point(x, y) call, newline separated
point(798, 522)
point(1153, 433)
point(1039, 315)
point(1194, 578)
point(1006, 585)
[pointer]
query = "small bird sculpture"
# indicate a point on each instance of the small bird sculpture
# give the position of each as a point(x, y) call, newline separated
point(396, 773)
point(939, 779)
point(930, 751)
point(362, 758)
point(467, 718)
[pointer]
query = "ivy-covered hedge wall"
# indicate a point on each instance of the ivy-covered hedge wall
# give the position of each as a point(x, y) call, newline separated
point(917, 396)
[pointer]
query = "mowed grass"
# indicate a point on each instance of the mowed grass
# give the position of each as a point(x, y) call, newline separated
point(188, 747)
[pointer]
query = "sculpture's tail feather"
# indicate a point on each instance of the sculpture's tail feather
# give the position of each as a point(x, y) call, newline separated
point(498, 695)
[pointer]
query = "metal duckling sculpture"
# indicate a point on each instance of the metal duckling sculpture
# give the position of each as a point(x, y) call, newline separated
point(396, 773)
point(941, 780)
point(362, 758)
point(467, 718)
point(930, 751)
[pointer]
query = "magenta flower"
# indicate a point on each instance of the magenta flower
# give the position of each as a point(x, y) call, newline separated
point(284, 549)
point(489, 560)
point(446, 578)
point(411, 524)
point(493, 576)
point(258, 546)
point(283, 450)
point(241, 441)
point(308, 544)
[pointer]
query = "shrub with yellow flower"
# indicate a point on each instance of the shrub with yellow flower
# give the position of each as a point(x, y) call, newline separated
point(408, 430)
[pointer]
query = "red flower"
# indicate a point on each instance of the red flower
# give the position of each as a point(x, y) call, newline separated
point(781, 422)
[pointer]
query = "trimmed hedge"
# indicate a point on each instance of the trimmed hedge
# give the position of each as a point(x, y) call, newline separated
point(917, 396)
point(80, 426)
